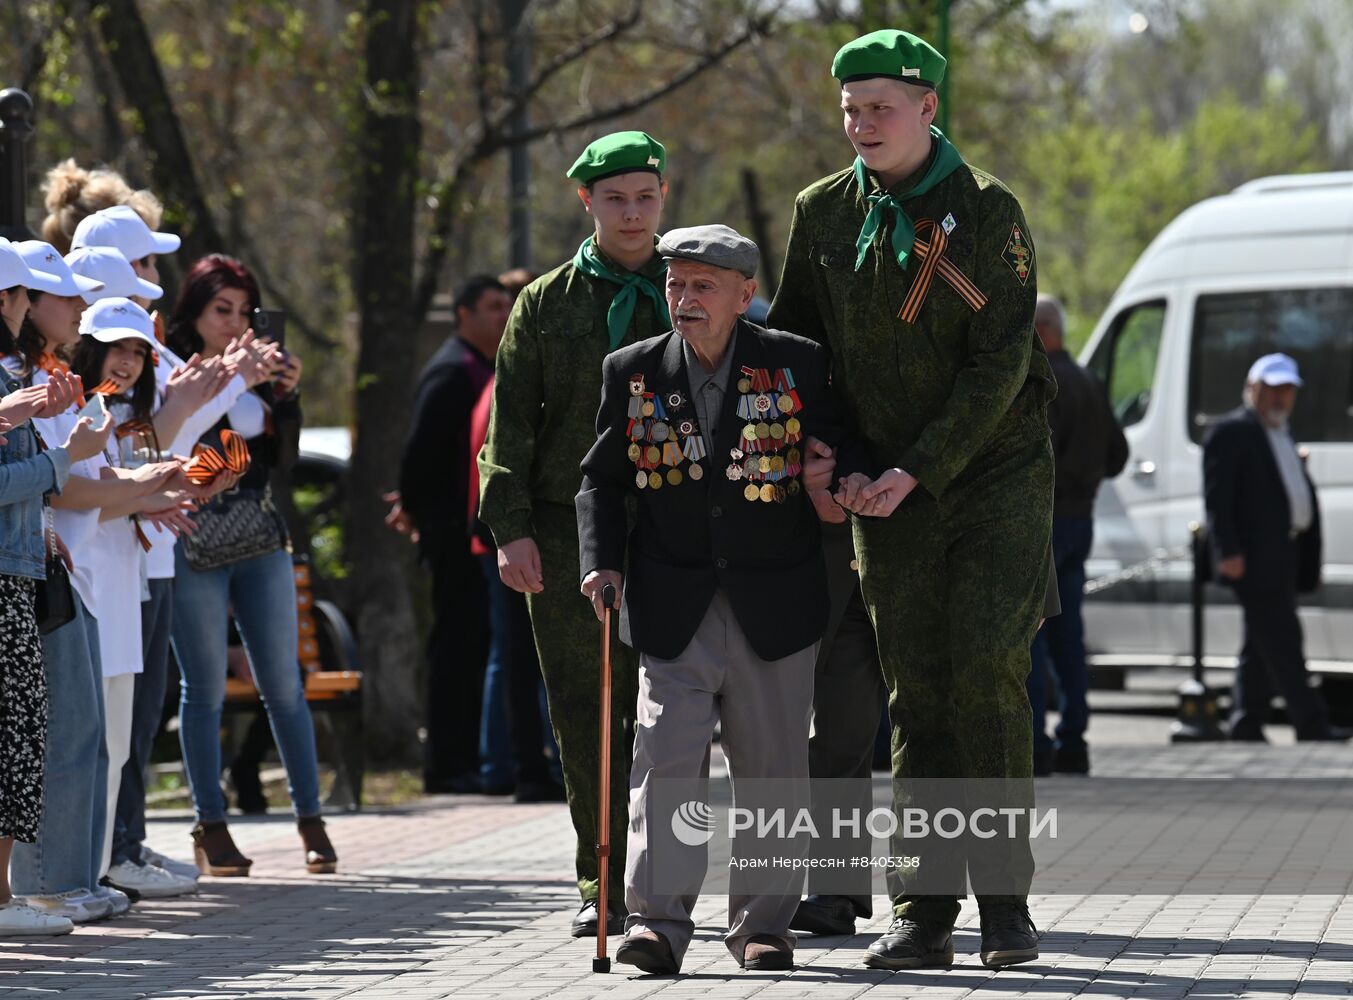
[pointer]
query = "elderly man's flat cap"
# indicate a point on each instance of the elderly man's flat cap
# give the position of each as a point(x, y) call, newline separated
point(718, 246)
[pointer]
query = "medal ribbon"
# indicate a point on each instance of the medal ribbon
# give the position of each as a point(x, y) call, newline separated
point(931, 241)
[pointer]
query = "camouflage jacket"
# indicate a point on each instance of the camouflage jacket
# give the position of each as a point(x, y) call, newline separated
point(547, 391)
point(938, 364)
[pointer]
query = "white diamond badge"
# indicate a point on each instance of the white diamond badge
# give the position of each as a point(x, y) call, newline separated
point(948, 224)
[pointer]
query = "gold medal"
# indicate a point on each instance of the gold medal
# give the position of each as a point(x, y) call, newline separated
point(648, 408)
point(744, 385)
point(654, 481)
point(777, 464)
point(635, 452)
point(696, 471)
point(751, 492)
point(767, 493)
point(785, 403)
point(763, 464)
point(763, 430)
point(654, 455)
point(792, 425)
point(779, 493)
point(641, 479)
point(794, 456)
point(674, 477)
point(777, 432)
point(749, 432)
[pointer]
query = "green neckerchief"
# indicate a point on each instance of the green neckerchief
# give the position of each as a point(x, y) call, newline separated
point(590, 262)
point(945, 161)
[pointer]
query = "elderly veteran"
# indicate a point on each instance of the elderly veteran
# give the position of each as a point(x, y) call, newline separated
point(548, 379)
point(726, 593)
point(917, 271)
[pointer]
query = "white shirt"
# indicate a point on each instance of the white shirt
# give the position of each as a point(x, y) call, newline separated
point(1293, 476)
point(160, 558)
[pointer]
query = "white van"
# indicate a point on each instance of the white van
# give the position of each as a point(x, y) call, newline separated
point(1266, 268)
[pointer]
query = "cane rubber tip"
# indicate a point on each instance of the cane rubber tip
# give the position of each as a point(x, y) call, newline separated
point(601, 965)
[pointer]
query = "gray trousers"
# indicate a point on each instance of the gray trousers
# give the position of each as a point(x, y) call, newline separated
point(848, 701)
point(763, 707)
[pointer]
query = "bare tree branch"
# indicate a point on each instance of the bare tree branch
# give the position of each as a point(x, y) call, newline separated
point(576, 51)
point(491, 139)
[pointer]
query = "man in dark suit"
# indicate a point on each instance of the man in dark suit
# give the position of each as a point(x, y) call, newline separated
point(1089, 447)
point(1264, 524)
point(432, 506)
point(725, 589)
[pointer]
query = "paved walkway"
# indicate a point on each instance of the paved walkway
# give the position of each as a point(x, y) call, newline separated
point(471, 898)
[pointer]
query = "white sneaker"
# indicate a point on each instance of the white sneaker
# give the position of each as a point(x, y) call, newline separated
point(115, 898)
point(17, 919)
point(148, 882)
point(79, 906)
point(183, 869)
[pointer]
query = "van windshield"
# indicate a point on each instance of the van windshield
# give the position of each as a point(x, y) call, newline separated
point(1313, 325)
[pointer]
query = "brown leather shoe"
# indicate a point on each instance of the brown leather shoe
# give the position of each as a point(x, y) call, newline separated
point(647, 951)
point(215, 852)
point(320, 856)
point(766, 953)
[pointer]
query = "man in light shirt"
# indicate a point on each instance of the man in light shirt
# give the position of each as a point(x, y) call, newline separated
point(1264, 524)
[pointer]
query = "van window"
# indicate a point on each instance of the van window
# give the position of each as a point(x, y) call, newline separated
point(1313, 325)
point(1125, 359)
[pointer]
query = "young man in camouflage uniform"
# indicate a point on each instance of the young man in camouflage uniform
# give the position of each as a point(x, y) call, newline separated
point(543, 422)
point(917, 270)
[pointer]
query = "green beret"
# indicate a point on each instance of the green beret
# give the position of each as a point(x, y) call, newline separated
point(619, 153)
point(897, 55)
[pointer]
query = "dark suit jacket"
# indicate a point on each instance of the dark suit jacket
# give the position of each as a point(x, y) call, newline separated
point(1248, 512)
point(434, 472)
point(1086, 440)
point(704, 533)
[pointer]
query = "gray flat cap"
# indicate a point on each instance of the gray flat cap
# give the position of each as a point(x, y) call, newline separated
point(718, 246)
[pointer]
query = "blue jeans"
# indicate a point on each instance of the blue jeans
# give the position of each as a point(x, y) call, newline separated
point(495, 726)
point(129, 825)
point(261, 594)
point(69, 847)
point(1060, 643)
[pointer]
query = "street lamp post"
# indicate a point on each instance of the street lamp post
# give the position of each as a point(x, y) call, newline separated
point(16, 127)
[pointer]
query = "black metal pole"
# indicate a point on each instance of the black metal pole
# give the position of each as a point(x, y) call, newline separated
point(16, 127)
point(1197, 721)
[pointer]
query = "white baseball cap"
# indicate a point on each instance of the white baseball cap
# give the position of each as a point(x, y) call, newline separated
point(108, 266)
point(120, 227)
point(1275, 369)
point(118, 318)
point(42, 256)
point(14, 270)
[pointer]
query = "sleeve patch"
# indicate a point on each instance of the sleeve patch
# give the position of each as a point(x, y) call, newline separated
point(1018, 255)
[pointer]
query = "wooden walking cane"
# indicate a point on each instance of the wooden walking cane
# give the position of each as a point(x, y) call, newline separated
point(602, 963)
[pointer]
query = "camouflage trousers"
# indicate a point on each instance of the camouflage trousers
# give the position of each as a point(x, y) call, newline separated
point(955, 589)
point(568, 639)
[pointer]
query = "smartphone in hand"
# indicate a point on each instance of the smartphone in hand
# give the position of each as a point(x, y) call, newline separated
point(271, 324)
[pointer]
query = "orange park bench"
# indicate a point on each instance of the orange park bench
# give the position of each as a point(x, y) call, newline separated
point(327, 654)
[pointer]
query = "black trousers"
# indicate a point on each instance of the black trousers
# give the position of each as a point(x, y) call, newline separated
point(849, 696)
point(1272, 661)
point(457, 654)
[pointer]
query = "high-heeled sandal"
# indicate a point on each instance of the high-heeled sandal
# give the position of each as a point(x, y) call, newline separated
point(215, 852)
point(320, 857)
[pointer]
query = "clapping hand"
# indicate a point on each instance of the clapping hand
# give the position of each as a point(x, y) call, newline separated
point(85, 440)
point(194, 384)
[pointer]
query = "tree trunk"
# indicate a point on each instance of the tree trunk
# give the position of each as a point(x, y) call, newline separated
point(174, 178)
point(388, 141)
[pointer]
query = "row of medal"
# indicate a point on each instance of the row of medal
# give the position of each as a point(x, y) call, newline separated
point(768, 403)
point(659, 440)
